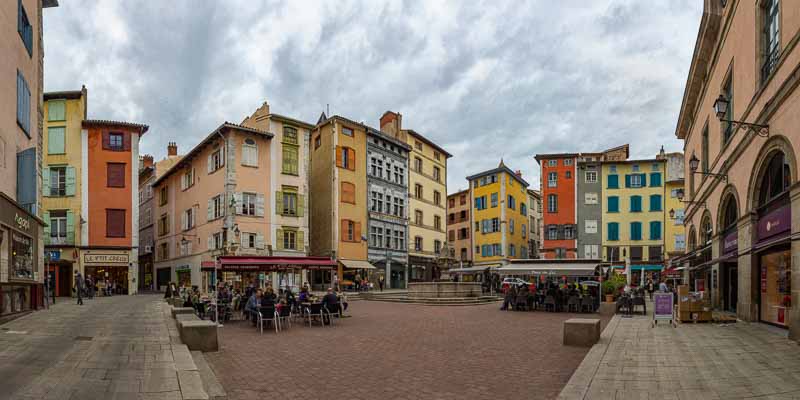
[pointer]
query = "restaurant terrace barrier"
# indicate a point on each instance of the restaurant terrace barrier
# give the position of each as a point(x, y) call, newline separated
point(584, 332)
point(196, 334)
point(181, 310)
point(431, 290)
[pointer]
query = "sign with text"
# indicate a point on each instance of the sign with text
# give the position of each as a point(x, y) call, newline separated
point(730, 243)
point(662, 311)
point(105, 258)
point(775, 222)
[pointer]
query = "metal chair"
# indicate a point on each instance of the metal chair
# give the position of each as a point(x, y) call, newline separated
point(521, 303)
point(550, 302)
point(574, 302)
point(267, 314)
point(587, 303)
point(639, 301)
point(284, 315)
point(333, 311)
point(314, 311)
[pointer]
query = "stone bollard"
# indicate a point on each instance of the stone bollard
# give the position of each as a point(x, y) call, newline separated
point(584, 332)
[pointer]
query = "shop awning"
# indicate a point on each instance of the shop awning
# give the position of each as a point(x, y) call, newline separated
point(559, 269)
point(639, 267)
point(269, 263)
point(356, 264)
point(472, 270)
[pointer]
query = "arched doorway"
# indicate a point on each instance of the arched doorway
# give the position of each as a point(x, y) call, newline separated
point(729, 245)
point(700, 274)
point(773, 246)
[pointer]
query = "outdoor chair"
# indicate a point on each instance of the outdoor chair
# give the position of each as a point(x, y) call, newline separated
point(284, 315)
point(587, 303)
point(624, 304)
point(521, 303)
point(639, 301)
point(267, 314)
point(330, 312)
point(314, 311)
point(574, 302)
point(550, 303)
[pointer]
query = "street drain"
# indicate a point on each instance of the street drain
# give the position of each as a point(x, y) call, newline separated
point(83, 338)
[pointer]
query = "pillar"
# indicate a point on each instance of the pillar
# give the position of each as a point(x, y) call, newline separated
point(714, 284)
point(794, 314)
point(747, 301)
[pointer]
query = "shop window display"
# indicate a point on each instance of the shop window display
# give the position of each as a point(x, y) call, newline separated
point(21, 256)
point(776, 291)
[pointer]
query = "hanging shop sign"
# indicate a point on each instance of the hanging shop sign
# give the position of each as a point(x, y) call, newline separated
point(121, 258)
point(775, 222)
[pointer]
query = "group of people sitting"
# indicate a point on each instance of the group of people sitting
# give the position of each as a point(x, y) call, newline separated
point(268, 299)
point(527, 297)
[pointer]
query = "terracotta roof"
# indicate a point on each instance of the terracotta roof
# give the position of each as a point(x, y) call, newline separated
point(457, 193)
point(501, 168)
point(65, 94)
point(106, 122)
point(429, 142)
point(540, 157)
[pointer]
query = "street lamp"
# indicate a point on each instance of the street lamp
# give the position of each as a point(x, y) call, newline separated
point(721, 109)
point(694, 163)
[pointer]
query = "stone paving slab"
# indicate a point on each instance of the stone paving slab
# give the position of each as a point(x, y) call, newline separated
point(693, 361)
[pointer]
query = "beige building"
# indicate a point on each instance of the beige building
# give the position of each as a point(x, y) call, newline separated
point(21, 229)
point(459, 232)
point(535, 224)
point(427, 186)
point(739, 122)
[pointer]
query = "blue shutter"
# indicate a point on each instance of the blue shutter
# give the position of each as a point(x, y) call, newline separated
point(655, 202)
point(70, 181)
point(627, 181)
point(613, 181)
point(613, 231)
point(636, 203)
point(644, 179)
point(655, 179)
point(636, 231)
point(613, 204)
point(26, 178)
point(70, 228)
point(655, 230)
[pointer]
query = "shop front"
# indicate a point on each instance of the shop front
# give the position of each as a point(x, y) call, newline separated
point(728, 271)
point(110, 269)
point(21, 287)
point(59, 264)
point(267, 271)
point(773, 254)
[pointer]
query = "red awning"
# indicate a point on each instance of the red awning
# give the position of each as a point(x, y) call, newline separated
point(270, 263)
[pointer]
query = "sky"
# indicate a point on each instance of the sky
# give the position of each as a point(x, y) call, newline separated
point(484, 80)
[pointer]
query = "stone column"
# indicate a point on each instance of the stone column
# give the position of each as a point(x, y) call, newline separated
point(714, 284)
point(794, 313)
point(749, 286)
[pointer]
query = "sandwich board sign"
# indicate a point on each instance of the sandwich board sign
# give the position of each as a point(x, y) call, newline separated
point(663, 309)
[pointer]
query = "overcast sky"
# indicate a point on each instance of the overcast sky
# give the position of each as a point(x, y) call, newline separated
point(484, 80)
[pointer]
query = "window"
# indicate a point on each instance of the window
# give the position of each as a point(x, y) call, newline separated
point(552, 232)
point(187, 180)
point(437, 246)
point(636, 253)
point(116, 141)
point(163, 251)
point(24, 28)
point(115, 223)
point(590, 225)
point(418, 217)
point(612, 169)
point(417, 164)
point(635, 180)
point(436, 155)
point(523, 209)
point(115, 175)
point(524, 231)
point(679, 214)
point(561, 253)
point(591, 251)
point(188, 217)
point(655, 230)
point(512, 202)
point(451, 236)
point(770, 42)
point(418, 243)
point(348, 193)
point(636, 203)
point(437, 222)
point(317, 142)
point(451, 203)
point(655, 179)
point(655, 202)
point(216, 241)
point(613, 182)
point(58, 227)
point(437, 174)
point(56, 140)
point(437, 198)
point(248, 206)
point(58, 181)
point(377, 202)
point(290, 159)
point(163, 195)
point(552, 203)
point(399, 175)
point(351, 231)
point(347, 131)
point(568, 175)
point(289, 239)
point(511, 226)
point(654, 253)
point(250, 153)
point(612, 253)
point(680, 242)
point(613, 204)
point(215, 161)
point(613, 231)
point(512, 251)
point(418, 145)
point(248, 240)
point(704, 154)
point(552, 163)
point(418, 191)
point(480, 203)
point(567, 162)
point(636, 231)
point(776, 180)
point(290, 134)
point(590, 177)
point(552, 179)
point(216, 207)
point(346, 158)
point(163, 225)
point(635, 168)
point(399, 207)
point(23, 103)
point(590, 198)
point(569, 232)
point(493, 198)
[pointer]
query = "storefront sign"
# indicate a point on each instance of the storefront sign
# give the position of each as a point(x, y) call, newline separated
point(53, 255)
point(23, 223)
point(663, 306)
point(730, 243)
point(183, 268)
point(775, 222)
point(105, 258)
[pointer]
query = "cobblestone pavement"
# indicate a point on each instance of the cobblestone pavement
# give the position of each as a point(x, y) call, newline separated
point(693, 361)
point(401, 351)
point(110, 348)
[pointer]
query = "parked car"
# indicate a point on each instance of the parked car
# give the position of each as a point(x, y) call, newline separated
point(507, 282)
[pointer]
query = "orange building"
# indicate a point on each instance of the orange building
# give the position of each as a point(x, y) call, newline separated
point(109, 207)
point(558, 198)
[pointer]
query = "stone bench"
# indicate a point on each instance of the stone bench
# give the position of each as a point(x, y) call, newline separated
point(584, 332)
point(199, 335)
point(181, 310)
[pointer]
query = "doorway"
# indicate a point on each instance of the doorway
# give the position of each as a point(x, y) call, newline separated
point(733, 287)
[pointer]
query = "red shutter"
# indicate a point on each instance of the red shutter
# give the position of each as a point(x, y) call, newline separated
point(351, 159)
point(343, 230)
point(356, 232)
point(116, 175)
point(339, 156)
point(115, 223)
point(106, 141)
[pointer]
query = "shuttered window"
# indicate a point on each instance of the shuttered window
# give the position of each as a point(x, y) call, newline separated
point(345, 158)
point(636, 231)
point(115, 223)
point(290, 159)
point(350, 231)
point(116, 141)
point(348, 194)
point(613, 231)
point(56, 110)
point(250, 153)
point(116, 175)
point(56, 140)
point(23, 104)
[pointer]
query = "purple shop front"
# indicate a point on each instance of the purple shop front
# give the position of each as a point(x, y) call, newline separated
point(775, 224)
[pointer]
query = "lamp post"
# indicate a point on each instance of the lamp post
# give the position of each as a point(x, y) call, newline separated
point(721, 109)
point(694, 163)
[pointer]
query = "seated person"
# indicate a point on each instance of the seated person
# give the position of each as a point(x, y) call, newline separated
point(304, 296)
point(331, 302)
point(251, 309)
point(269, 298)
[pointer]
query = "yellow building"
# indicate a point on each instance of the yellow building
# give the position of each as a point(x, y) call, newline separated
point(675, 233)
point(499, 216)
point(64, 113)
point(634, 214)
point(427, 186)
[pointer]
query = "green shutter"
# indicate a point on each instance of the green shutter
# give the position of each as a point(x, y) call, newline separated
point(655, 179)
point(627, 181)
point(46, 183)
point(613, 181)
point(70, 181)
point(644, 179)
point(56, 110)
point(70, 228)
point(278, 202)
point(55, 140)
point(300, 241)
point(279, 239)
point(46, 218)
point(301, 205)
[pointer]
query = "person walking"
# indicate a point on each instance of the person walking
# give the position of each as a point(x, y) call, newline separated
point(79, 285)
point(380, 282)
point(650, 288)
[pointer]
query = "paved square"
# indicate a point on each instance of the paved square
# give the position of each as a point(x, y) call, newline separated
point(401, 351)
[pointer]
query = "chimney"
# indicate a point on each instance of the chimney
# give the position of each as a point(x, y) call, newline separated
point(661, 155)
point(518, 173)
point(147, 161)
point(392, 123)
point(172, 149)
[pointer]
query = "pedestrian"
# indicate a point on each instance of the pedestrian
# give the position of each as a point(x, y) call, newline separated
point(662, 287)
point(510, 298)
point(335, 281)
point(650, 288)
point(79, 285)
point(358, 283)
point(380, 282)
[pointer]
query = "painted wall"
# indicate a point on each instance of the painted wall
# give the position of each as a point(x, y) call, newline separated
point(355, 250)
point(505, 186)
point(323, 225)
point(565, 214)
point(430, 210)
point(589, 209)
point(456, 204)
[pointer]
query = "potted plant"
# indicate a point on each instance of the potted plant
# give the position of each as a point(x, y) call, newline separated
point(609, 288)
